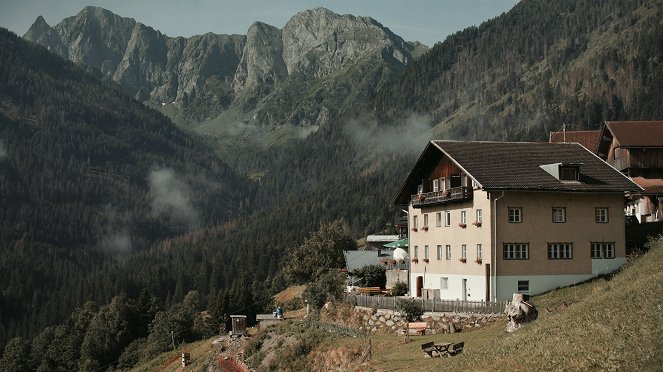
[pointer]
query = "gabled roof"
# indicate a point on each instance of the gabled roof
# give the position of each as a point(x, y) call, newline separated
point(357, 259)
point(650, 185)
point(588, 138)
point(637, 133)
point(517, 166)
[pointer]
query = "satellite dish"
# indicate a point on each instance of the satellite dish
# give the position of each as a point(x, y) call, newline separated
point(400, 254)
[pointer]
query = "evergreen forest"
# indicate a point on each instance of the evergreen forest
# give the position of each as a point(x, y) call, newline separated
point(118, 228)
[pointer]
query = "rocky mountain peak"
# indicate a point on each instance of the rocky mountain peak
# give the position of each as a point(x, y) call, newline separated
point(318, 41)
point(268, 77)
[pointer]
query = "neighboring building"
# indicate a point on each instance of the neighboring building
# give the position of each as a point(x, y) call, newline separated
point(488, 219)
point(635, 148)
point(588, 138)
point(377, 242)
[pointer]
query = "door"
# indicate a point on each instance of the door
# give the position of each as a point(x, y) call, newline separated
point(464, 289)
point(420, 285)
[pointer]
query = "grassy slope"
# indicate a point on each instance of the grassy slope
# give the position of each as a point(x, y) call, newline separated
point(610, 324)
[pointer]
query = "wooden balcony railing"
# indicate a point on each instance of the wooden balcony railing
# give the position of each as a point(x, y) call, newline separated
point(439, 197)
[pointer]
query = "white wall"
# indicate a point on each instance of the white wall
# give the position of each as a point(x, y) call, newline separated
point(476, 286)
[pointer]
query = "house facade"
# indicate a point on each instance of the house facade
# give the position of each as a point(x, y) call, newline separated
point(488, 219)
point(635, 148)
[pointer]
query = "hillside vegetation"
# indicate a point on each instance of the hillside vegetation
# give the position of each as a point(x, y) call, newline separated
point(528, 71)
point(611, 323)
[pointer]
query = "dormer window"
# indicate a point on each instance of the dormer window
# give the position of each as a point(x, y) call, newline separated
point(567, 172)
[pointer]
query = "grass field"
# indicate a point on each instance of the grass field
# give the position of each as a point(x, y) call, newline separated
point(610, 323)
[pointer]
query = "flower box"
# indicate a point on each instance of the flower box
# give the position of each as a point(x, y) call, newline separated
point(425, 228)
point(415, 260)
point(462, 259)
point(414, 229)
point(478, 260)
point(426, 260)
point(477, 224)
point(462, 225)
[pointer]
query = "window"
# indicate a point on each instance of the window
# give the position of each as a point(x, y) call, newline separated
point(558, 215)
point(426, 220)
point(439, 252)
point(515, 215)
point(463, 217)
point(602, 250)
point(420, 189)
point(478, 218)
point(436, 185)
point(601, 215)
point(558, 251)
point(443, 184)
point(448, 249)
point(425, 251)
point(516, 251)
point(415, 222)
point(568, 173)
point(444, 283)
point(523, 286)
point(463, 180)
point(416, 251)
point(447, 218)
point(463, 251)
point(438, 219)
point(479, 251)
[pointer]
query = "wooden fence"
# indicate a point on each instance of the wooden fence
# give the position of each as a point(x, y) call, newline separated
point(433, 305)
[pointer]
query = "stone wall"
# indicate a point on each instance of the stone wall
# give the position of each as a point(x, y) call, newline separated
point(389, 321)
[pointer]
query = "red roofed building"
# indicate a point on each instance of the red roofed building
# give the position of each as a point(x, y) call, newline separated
point(588, 138)
point(635, 148)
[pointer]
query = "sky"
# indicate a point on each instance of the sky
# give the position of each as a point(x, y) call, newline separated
point(427, 21)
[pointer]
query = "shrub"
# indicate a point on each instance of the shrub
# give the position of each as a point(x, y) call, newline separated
point(399, 288)
point(411, 308)
point(372, 276)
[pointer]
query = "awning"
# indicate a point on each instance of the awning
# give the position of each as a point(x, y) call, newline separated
point(397, 244)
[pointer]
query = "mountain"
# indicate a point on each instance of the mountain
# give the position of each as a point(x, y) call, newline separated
point(302, 76)
point(534, 68)
point(89, 177)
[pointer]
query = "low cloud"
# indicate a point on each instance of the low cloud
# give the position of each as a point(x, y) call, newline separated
point(171, 197)
point(410, 137)
point(117, 243)
point(3, 151)
point(115, 238)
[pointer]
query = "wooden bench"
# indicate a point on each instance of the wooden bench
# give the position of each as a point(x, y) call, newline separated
point(370, 290)
point(456, 348)
point(419, 328)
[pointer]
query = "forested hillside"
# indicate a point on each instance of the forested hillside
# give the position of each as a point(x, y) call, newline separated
point(101, 196)
point(542, 64)
point(89, 176)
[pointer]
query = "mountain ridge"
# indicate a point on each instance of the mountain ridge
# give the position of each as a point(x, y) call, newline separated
point(196, 79)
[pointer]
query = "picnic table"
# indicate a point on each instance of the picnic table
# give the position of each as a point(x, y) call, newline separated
point(433, 349)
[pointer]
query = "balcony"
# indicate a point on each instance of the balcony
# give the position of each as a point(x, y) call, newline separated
point(453, 194)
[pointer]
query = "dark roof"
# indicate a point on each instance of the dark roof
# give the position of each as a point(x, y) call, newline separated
point(517, 166)
point(588, 138)
point(637, 133)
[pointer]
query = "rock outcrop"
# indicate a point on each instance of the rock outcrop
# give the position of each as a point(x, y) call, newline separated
point(519, 311)
point(302, 75)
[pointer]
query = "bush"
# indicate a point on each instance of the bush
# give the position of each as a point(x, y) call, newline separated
point(372, 276)
point(399, 288)
point(411, 308)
